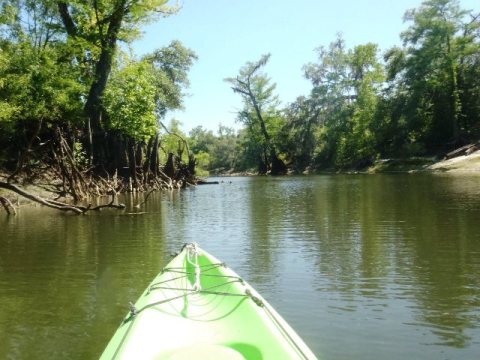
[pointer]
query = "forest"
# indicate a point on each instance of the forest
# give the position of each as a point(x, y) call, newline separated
point(78, 104)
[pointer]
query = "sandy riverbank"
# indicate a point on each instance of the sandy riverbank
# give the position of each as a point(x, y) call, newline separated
point(465, 163)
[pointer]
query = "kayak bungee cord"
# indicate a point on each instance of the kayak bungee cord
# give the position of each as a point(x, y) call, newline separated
point(191, 259)
point(134, 311)
point(196, 289)
point(193, 249)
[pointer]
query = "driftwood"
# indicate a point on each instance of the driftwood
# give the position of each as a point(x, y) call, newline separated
point(7, 205)
point(464, 150)
point(78, 209)
point(204, 182)
point(145, 199)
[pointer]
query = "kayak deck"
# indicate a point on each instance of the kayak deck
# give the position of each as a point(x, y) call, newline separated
point(197, 308)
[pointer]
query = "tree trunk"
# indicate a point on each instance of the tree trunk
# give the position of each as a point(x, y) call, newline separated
point(120, 158)
point(93, 106)
point(169, 169)
point(103, 67)
point(276, 165)
point(148, 159)
point(132, 163)
point(154, 164)
point(455, 100)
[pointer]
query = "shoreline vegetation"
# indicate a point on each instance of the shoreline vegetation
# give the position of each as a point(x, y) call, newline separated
point(83, 117)
point(461, 164)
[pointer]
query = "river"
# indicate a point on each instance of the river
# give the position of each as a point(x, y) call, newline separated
point(361, 266)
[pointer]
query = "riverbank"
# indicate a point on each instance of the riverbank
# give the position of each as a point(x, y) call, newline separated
point(464, 163)
point(36, 187)
point(460, 164)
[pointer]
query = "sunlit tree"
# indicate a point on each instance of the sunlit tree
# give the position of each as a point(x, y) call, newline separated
point(260, 113)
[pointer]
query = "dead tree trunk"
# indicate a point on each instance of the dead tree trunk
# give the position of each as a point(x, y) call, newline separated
point(132, 163)
point(169, 169)
point(154, 162)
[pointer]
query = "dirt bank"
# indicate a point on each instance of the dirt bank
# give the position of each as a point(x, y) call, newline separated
point(464, 163)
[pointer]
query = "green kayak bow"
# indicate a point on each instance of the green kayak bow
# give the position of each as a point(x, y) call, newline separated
point(198, 308)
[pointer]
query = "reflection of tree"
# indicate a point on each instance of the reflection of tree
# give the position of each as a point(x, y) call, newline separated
point(443, 246)
point(279, 210)
point(348, 252)
point(69, 279)
point(442, 261)
point(264, 214)
point(401, 237)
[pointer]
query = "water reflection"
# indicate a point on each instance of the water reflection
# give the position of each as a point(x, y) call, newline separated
point(361, 266)
point(376, 232)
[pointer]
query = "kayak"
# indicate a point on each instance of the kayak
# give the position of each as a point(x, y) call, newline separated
point(198, 308)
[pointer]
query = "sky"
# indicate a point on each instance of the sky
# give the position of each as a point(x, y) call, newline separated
point(226, 34)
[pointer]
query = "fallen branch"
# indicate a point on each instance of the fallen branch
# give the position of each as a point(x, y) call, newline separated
point(145, 199)
point(7, 206)
point(53, 204)
point(78, 209)
point(110, 205)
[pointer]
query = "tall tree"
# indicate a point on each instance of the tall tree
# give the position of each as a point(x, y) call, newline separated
point(342, 103)
point(97, 26)
point(357, 145)
point(303, 119)
point(38, 82)
point(141, 92)
point(431, 70)
point(259, 110)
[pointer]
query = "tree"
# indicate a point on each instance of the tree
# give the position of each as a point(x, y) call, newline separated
point(302, 121)
point(346, 85)
point(95, 27)
point(141, 92)
point(431, 71)
point(56, 61)
point(331, 96)
point(218, 152)
point(259, 111)
point(469, 77)
point(130, 101)
point(38, 83)
point(357, 145)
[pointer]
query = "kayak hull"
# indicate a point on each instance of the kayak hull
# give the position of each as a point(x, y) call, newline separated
point(198, 308)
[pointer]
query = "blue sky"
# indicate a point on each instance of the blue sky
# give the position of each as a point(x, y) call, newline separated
point(225, 34)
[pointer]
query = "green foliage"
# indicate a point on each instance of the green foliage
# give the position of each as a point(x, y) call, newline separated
point(426, 100)
point(170, 66)
point(221, 148)
point(130, 101)
point(174, 141)
point(203, 163)
point(260, 113)
point(343, 101)
point(141, 92)
point(38, 85)
point(51, 59)
point(428, 68)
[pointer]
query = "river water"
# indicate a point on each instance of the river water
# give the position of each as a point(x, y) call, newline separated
point(361, 266)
